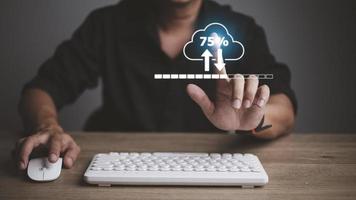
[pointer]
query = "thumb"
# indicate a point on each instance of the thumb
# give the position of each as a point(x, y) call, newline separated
point(200, 97)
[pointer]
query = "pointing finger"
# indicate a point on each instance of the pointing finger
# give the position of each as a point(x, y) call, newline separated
point(237, 90)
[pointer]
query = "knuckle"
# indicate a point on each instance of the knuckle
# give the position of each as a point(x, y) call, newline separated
point(69, 141)
point(65, 139)
point(74, 145)
point(30, 139)
point(66, 136)
point(45, 132)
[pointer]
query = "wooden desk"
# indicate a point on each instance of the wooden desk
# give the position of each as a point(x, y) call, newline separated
point(300, 166)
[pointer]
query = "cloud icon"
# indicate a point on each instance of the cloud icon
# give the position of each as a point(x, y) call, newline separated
point(213, 36)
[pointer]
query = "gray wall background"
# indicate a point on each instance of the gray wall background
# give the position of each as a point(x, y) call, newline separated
point(315, 38)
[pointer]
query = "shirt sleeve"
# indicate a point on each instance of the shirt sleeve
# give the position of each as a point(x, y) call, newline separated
point(259, 60)
point(74, 66)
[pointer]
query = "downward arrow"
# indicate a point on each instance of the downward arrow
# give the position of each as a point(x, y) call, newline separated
point(207, 56)
point(220, 60)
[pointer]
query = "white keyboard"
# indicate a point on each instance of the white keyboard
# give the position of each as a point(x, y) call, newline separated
point(212, 169)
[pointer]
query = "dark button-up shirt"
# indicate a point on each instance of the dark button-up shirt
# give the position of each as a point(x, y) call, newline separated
point(119, 45)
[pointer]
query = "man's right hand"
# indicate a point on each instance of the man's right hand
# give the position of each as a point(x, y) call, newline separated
point(55, 139)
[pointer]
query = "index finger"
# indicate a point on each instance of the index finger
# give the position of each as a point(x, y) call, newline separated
point(29, 144)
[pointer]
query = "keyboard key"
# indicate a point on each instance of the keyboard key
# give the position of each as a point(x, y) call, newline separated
point(245, 169)
point(108, 168)
point(227, 155)
point(189, 169)
point(237, 156)
point(211, 169)
point(199, 168)
point(95, 168)
point(177, 168)
point(222, 169)
point(165, 168)
point(142, 168)
point(215, 155)
point(153, 168)
point(146, 154)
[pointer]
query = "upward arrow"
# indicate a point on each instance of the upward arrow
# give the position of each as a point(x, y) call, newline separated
point(207, 56)
point(220, 64)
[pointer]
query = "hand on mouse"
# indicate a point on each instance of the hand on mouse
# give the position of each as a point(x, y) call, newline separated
point(239, 105)
point(55, 139)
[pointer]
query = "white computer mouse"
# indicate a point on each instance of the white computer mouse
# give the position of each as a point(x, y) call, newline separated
point(40, 169)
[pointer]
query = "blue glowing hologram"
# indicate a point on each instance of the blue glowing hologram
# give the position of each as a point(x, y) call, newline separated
point(214, 38)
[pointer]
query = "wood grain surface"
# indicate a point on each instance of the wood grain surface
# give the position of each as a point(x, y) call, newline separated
point(300, 166)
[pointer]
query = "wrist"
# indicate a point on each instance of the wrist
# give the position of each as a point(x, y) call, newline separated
point(262, 126)
point(49, 125)
point(266, 133)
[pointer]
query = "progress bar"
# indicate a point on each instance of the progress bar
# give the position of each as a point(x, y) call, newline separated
point(209, 76)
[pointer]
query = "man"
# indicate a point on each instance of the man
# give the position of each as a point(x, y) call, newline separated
point(125, 45)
